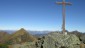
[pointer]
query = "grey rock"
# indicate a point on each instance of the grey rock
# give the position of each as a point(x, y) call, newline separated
point(58, 40)
point(82, 38)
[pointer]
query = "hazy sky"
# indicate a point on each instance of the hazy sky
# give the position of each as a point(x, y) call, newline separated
point(41, 15)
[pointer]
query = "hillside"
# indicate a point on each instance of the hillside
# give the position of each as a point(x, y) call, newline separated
point(4, 36)
point(22, 36)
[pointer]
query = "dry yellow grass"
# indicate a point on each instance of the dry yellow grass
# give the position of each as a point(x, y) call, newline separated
point(82, 45)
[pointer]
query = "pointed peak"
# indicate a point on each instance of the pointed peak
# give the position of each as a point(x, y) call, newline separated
point(22, 29)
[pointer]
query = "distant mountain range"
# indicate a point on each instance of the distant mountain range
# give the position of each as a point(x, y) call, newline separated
point(31, 32)
point(8, 31)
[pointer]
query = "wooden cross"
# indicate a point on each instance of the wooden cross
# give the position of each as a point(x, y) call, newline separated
point(63, 12)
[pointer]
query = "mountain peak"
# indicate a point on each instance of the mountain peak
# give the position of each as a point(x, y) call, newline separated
point(21, 31)
point(23, 36)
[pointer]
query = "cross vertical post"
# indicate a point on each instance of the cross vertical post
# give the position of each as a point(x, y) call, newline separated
point(63, 13)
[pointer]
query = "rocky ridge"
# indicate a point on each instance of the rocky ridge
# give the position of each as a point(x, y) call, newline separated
point(53, 40)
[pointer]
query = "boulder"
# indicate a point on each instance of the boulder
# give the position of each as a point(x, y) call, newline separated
point(83, 38)
point(59, 40)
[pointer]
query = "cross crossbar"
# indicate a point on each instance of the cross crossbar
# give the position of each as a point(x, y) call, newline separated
point(63, 3)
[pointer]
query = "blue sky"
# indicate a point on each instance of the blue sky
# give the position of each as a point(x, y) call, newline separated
point(41, 15)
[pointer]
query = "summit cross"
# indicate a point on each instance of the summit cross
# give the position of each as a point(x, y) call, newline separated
point(63, 13)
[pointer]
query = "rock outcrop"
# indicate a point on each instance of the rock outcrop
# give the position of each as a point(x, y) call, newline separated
point(53, 40)
point(58, 40)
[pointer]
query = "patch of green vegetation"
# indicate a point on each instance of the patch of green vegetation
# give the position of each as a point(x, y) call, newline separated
point(3, 46)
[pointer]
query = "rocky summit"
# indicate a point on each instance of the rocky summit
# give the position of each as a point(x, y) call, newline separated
point(58, 40)
point(53, 40)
